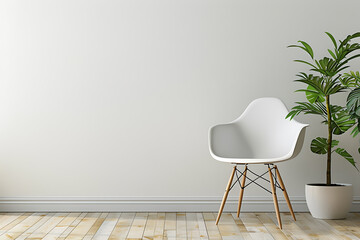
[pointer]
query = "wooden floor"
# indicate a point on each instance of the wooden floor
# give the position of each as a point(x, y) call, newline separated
point(173, 226)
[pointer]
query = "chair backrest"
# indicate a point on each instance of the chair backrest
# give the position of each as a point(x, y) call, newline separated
point(261, 132)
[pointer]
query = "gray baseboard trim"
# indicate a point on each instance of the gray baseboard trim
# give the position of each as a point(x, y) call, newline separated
point(149, 204)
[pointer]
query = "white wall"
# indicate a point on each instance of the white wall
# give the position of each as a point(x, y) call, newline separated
point(114, 98)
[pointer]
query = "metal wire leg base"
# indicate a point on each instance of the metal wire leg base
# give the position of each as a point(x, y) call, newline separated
point(275, 181)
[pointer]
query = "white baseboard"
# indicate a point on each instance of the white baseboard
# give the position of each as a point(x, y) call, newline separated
point(149, 204)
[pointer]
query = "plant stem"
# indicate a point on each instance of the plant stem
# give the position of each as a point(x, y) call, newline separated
point(328, 166)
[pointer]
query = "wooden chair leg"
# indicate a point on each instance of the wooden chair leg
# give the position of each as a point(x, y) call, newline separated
point(282, 185)
point(225, 195)
point(273, 189)
point(241, 191)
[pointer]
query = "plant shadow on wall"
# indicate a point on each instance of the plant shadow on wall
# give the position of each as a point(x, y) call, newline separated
point(326, 78)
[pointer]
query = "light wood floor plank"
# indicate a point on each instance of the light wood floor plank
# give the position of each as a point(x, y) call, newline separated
point(22, 226)
point(228, 228)
point(170, 226)
point(95, 227)
point(342, 229)
point(122, 227)
point(160, 225)
point(202, 226)
point(8, 218)
point(354, 218)
point(255, 227)
point(350, 226)
point(12, 222)
point(192, 226)
point(73, 225)
point(107, 227)
point(181, 226)
point(290, 229)
point(138, 226)
point(313, 229)
point(325, 227)
point(5, 216)
point(211, 228)
point(149, 231)
point(244, 232)
point(271, 226)
point(83, 227)
point(36, 226)
point(45, 228)
point(77, 221)
point(61, 227)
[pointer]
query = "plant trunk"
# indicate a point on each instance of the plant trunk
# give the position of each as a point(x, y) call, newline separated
point(328, 166)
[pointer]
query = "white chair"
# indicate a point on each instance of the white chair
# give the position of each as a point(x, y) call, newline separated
point(261, 135)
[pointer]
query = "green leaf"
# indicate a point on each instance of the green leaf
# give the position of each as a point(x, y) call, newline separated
point(307, 48)
point(355, 132)
point(351, 58)
point(307, 108)
point(323, 85)
point(348, 39)
point(341, 122)
point(319, 145)
point(353, 103)
point(314, 96)
point(314, 81)
point(349, 81)
point(342, 152)
point(332, 39)
point(332, 54)
point(302, 61)
point(340, 69)
point(352, 79)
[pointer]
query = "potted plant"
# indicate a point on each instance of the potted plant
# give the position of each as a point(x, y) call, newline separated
point(329, 200)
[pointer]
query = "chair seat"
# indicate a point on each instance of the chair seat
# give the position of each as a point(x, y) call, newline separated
point(251, 160)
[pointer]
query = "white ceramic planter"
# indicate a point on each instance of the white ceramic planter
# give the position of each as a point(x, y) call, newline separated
point(329, 202)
